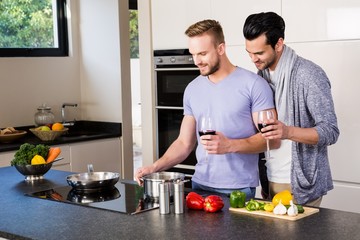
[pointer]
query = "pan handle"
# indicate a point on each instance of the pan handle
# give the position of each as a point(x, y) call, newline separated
point(90, 168)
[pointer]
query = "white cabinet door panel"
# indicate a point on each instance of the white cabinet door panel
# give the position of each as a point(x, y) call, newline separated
point(170, 19)
point(5, 158)
point(325, 20)
point(105, 155)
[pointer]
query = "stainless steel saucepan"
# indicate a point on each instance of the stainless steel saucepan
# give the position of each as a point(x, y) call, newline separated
point(92, 180)
point(152, 181)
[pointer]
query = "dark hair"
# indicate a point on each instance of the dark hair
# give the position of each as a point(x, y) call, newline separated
point(208, 26)
point(269, 23)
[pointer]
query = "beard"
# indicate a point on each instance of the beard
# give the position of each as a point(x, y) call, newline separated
point(262, 65)
point(212, 69)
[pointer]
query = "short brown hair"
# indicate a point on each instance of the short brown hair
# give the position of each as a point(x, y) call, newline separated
point(211, 27)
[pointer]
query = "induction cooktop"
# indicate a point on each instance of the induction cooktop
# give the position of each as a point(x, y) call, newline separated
point(123, 198)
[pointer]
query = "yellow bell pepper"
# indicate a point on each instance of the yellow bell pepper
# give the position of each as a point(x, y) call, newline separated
point(284, 196)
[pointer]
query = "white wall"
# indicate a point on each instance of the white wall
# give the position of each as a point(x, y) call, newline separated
point(90, 76)
point(96, 75)
point(324, 31)
point(26, 83)
point(100, 60)
point(105, 68)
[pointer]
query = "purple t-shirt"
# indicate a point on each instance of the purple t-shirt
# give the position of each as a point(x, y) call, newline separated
point(230, 103)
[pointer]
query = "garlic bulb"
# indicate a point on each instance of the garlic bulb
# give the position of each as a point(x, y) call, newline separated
point(293, 210)
point(280, 209)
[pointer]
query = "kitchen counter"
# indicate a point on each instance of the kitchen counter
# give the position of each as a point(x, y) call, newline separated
point(23, 217)
point(81, 131)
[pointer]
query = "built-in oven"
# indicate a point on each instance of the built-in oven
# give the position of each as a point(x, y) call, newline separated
point(174, 70)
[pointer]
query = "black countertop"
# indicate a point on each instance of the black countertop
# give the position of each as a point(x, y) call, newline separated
point(26, 217)
point(81, 131)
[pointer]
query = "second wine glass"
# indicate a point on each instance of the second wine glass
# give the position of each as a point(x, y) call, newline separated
point(206, 127)
point(263, 118)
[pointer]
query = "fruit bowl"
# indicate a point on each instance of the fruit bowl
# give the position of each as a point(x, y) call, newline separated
point(33, 172)
point(11, 137)
point(50, 135)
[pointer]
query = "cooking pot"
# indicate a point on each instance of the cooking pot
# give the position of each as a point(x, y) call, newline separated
point(93, 180)
point(152, 181)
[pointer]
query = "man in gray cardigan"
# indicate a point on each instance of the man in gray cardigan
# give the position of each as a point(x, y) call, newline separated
point(307, 122)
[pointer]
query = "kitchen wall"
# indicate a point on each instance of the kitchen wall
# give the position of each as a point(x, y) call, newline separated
point(325, 31)
point(105, 68)
point(96, 75)
point(26, 83)
point(90, 76)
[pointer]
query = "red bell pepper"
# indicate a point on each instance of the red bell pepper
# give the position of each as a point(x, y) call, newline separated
point(194, 201)
point(213, 203)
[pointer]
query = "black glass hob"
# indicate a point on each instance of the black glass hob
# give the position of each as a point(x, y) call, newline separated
point(123, 197)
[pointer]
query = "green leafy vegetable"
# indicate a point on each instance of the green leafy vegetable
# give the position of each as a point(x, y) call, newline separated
point(27, 151)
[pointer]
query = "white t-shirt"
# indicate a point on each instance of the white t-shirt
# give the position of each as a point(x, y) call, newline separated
point(278, 167)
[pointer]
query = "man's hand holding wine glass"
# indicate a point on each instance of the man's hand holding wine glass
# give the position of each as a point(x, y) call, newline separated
point(216, 144)
point(276, 130)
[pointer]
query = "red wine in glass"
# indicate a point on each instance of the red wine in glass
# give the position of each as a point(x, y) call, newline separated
point(263, 117)
point(262, 125)
point(207, 132)
point(206, 127)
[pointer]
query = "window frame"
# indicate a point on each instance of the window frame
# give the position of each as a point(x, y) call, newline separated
point(63, 45)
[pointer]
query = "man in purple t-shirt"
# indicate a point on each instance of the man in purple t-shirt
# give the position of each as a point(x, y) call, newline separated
point(232, 96)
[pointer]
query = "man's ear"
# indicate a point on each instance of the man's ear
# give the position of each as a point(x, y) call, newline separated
point(279, 45)
point(221, 48)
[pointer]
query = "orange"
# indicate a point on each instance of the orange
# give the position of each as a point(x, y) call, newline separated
point(284, 196)
point(57, 127)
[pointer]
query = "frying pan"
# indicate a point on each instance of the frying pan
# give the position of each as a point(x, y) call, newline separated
point(92, 180)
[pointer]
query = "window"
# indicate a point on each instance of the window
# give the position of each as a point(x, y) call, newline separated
point(33, 28)
point(134, 34)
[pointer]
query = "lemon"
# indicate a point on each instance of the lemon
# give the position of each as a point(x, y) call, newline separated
point(269, 207)
point(37, 159)
point(57, 127)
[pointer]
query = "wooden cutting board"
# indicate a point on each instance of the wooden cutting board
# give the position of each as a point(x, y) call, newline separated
point(307, 212)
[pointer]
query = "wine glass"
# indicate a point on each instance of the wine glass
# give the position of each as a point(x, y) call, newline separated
point(206, 127)
point(263, 118)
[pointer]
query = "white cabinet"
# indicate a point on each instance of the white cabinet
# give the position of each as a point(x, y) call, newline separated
point(105, 155)
point(5, 158)
point(65, 164)
point(171, 18)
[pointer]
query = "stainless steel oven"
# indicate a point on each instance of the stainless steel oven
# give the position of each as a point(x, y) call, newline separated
point(174, 70)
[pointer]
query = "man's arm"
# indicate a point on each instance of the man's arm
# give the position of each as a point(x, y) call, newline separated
point(220, 144)
point(177, 152)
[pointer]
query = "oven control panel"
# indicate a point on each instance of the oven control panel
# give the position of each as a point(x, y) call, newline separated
point(174, 60)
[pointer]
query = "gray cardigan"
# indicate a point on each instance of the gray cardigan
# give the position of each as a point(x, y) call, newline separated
point(312, 106)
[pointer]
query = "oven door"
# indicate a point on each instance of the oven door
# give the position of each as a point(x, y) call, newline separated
point(169, 121)
point(171, 84)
